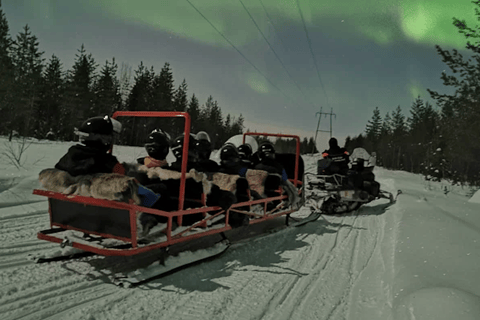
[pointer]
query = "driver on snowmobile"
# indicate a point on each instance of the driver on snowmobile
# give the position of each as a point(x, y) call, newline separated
point(339, 158)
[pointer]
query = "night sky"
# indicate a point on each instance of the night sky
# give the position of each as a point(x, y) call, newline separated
point(368, 53)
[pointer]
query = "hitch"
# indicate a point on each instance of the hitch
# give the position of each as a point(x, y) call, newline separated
point(66, 242)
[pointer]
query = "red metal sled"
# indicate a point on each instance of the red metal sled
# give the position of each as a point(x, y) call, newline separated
point(110, 227)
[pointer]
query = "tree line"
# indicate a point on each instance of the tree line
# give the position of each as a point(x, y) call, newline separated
point(40, 99)
point(441, 141)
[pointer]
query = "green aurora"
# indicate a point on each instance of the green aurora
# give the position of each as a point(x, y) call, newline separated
point(385, 21)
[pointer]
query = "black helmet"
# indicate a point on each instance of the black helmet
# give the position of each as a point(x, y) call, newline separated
point(228, 152)
point(203, 145)
point(158, 144)
point(177, 147)
point(266, 151)
point(333, 143)
point(245, 151)
point(98, 132)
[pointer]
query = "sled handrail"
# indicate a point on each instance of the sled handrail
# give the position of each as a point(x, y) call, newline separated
point(281, 135)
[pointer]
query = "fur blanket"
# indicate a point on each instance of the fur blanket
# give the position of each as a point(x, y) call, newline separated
point(166, 174)
point(256, 181)
point(109, 186)
point(255, 178)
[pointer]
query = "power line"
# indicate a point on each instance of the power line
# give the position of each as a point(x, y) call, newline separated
point(311, 50)
point(233, 46)
point(273, 50)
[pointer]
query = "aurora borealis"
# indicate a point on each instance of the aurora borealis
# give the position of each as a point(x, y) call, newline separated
point(369, 53)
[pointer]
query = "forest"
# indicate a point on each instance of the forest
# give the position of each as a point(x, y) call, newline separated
point(40, 99)
point(441, 141)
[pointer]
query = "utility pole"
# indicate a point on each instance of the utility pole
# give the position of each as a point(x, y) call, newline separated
point(318, 125)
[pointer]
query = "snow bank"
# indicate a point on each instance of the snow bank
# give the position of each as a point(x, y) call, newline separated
point(475, 198)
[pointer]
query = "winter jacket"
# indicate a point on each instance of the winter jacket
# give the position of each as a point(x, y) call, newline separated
point(272, 166)
point(340, 159)
point(82, 160)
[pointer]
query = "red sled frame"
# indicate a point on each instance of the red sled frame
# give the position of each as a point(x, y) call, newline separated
point(79, 209)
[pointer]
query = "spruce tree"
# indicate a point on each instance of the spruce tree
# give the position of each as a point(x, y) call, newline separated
point(194, 111)
point(460, 111)
point(107, 90)
point(139, 99)
point(51, 99)
point(7, 75)
point(28, 64)
point(374, 126)
point(398, 137)
point(79, 94)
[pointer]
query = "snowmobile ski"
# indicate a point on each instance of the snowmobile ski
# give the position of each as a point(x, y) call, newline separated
point(312, 217)
point(171, 263)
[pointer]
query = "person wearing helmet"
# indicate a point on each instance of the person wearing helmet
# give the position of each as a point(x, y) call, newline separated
point(157, 146)
point(92, 156)
point(339, 158)
point(177, 149)
point(203, 148)
point(96, 136)
point(266, 155)
point(245, 154)
point(230, 162)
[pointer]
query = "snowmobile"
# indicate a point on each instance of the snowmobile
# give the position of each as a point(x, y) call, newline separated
point(83, 225)
point(335, 193)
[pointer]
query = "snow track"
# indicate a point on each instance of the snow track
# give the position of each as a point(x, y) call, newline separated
point(315, 271)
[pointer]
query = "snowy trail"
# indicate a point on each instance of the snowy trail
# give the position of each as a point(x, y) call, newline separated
point(338, 267)
point(276, 276)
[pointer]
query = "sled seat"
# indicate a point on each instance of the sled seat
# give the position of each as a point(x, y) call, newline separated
point(111, 219)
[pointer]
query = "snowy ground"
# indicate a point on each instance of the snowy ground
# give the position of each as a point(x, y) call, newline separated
point(418, 259)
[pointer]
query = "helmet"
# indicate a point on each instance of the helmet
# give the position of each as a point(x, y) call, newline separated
point(266, 151)
point(158, 144)
point(202, 135)
point(177, 147)
point(98, 132)
point(228, 152)
point(203, 145)
point(245, 151)
point(333, 143)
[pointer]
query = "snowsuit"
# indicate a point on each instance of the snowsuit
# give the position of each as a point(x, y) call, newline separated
point(207, 165)
point(84, 160)
point(339, 158)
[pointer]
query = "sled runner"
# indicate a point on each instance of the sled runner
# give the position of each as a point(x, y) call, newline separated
point(111, 227)
point(343, 193)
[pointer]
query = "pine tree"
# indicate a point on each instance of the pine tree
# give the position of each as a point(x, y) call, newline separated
point(194, 111)
point(460, 111)
point(215, 121)
point(164, 89)
point(180, 97)
point(28, 64)
point(398, 137)
point(107, 90)
point(311, 146)
point(374, 127)
point(51, 98)
point(139, 99)
point(125, 82)
point(79, 95)
point(7, 75)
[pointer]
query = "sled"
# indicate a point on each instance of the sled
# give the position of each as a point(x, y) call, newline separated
point(110, 228)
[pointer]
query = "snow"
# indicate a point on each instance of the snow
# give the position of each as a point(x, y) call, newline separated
point(416, 259)
point(475, 198)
